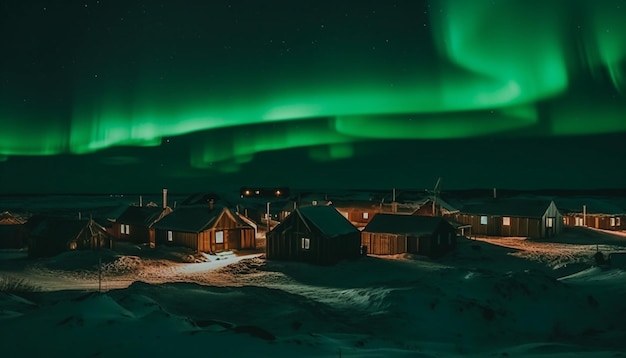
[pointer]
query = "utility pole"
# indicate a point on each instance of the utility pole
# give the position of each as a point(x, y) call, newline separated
point(268, 219)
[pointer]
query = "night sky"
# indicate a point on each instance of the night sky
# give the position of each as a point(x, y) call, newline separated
point(133, 96)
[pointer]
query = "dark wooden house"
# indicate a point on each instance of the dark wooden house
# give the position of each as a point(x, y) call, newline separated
point(135, 223)
point(593, 212)
point(205, 229)
point(51, 236)
point(522, 217)
point(12, 233)
point(358, 212)
point(389, 234)
point(315, 234)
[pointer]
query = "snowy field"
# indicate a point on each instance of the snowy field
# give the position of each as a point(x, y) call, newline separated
point(492, 298)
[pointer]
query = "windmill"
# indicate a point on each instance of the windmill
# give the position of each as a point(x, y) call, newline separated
point(435, 192)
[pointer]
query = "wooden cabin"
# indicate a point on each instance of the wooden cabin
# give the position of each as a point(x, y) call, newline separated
point(390, 234)
point(358, 212)
point(12, 231)
point(51, 236)
point(530, 218)
point(593, 212)
point(205, 229)
point(135, 223)
point(314, 234)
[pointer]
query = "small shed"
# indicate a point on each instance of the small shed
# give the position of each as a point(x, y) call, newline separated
point(533, 218)
point(135, 223)
point(315, 234)
point(389, 234)
point(52, 236)
point(205, 229)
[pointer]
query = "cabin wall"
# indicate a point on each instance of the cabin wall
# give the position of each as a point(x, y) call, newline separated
point(597, 221)
point(384, 243)
point(138, 234)
point(519, 227)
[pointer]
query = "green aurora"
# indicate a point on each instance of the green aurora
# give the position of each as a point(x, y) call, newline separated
point(443, 70)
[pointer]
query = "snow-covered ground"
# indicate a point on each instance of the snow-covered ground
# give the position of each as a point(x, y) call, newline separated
point(496, 297)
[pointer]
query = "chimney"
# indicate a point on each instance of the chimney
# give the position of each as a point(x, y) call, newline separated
point(211, 203)
point(140, 201)
point(80, 216)
point(164, 198)
point(494, 193)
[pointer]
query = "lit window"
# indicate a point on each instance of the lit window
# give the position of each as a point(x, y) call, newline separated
point(247, 192)
point(483, 220)
point(277, 192)
point(306, 243)
point(345, 214)
point(125, 229)
point(618, 222)
point(579, 221)
point(366, 215)
point(506, 221)
point(314, 202)
point(169, 236)
point(612, 221)
point(219, 237)
point(549, 222)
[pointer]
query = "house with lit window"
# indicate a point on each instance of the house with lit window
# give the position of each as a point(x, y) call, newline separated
point(211, 228)
point(358, 212)
point(316, 234)
point(596, 213)
point(517, 217)
point(135, 223)
point(390, 234)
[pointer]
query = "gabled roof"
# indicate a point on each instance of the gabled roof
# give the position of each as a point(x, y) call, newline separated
point(196, 219)
point(404, 224)
point(326, 219)
point(142, 215)
point(528, 208)
point(7, 218)
point(444, 205)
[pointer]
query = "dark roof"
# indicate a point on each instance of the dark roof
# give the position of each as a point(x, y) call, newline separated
point(528, 208)
point(200, 199)
point(327, 220)
point(140, 215)
point(404, 224)
point(194, 219)
point(593, 206)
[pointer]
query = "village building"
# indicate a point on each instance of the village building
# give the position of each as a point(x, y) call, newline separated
point(358, 212)
point(11, 231)
point(390, 234)
point(211, 228)
point(135, 223)
point(594, 213)
point(316, 234)
point(532, 218)
point(49, 236)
